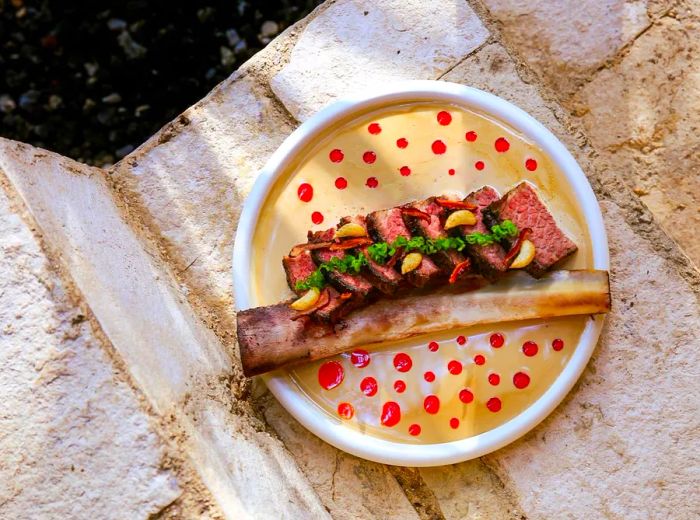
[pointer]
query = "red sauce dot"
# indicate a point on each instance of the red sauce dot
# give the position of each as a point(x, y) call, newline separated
point(531, 164)
point(372, 182)
point(530, 348)
point(368, 386)
point(454, 367)
point(466, 396)
point(336, 155)
point(330, 374)
point(374, 128)
point(369, 157)
point(402, 362)
point(479, 359)
point(451, 171)
point(497, 340)
point(346, 411)
point(494, 404)
point(316, 217)
point(305, 192)
point(461, 340)
point(359, 358)
point(494, 379)
point(399, 386)
point(341, 183)
point(414, 429)
point(454, 423)
point(470, 136)
point(479, 165)
point(405, 171)
point(521, 380)
point(433, 346)
point(444, 118)
point(502, 144)
point(391, 414)
point(402, 142)
point(432, 404)
point(429, 376)
point(438, 147)
point(558, 344)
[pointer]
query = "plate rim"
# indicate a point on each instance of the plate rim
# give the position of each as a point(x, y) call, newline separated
point(293, 399)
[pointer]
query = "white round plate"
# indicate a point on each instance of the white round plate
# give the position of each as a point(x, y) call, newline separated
point(294, 400)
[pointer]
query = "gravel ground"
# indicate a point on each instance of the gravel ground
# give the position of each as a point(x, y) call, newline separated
point(93, 80)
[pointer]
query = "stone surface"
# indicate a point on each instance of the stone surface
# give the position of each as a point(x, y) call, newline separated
point(642, 116)
point(400, 39)
point(75, 440)
point(566, 41)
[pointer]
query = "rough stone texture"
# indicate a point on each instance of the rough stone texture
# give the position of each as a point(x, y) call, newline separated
point(74, 438)
point(400, 39)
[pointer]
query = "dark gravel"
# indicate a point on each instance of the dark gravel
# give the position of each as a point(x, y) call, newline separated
point(94, 79)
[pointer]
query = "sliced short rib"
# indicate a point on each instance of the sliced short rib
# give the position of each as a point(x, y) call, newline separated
point(387, 225)
point(523, 206)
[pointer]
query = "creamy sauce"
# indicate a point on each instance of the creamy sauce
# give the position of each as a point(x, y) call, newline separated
point(382, 159)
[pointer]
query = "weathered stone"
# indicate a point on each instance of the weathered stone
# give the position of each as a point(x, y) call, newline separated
point(642, 116)
point(354, 45)
point(631, 423)
point(75, 440)
point(566, 41)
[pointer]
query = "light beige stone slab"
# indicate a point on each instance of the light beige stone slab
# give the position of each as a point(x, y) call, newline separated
point(357, 44)
point(75, 440)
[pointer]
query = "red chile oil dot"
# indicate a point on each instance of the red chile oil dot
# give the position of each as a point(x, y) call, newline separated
point(346, 411)
point(368, 386)
point(405, 171)
point(521, 380)
point(438, 147)
point(531, 165)
point(414, 429)
point(399, 386)
point(530, 348)
point(454, 367)
point(391, 414)
point(316, 217)
point(501, 144)
point(466, 396)
point(444, 118)
point(479, 165)
point(494, 404)
point(451, 171)
point(369, 157)
point(454, 423)
point(330, 374)
point(470, 136)
point(494, 379)
point(372, 182)
point(402, 362)
point(479, 359)
point(432, 404)
point(341, 183)
point(558, 344)
point(433, 346)
point(402, 143)
point(461, 340)
point(497, 340)
point(359, 358)
point(305, 192)
point(429, 376)
point(374, 128)
point(336, 156)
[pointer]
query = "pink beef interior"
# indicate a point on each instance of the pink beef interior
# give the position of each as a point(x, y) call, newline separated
point(492, 255)
point(298, 268)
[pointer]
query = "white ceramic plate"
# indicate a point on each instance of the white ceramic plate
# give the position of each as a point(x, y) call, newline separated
point(281, 385)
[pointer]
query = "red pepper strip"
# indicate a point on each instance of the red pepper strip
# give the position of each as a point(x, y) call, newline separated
point(459, 269)
point(310, 246)
point(415, 212)
point(350, 243)
point(524, 233)
point(456, 204)
point(345, 295)
point(322, 301)
point(392, 261)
